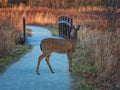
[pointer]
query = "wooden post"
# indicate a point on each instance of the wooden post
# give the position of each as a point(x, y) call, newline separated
point(24, 33)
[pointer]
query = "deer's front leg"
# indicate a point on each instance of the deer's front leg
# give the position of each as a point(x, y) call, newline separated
point(47, 60)
point(70, 61)
point(38, 65)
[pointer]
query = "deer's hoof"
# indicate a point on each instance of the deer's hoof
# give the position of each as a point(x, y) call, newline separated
point(70, 70)
point(53, 72)
point(38, 73)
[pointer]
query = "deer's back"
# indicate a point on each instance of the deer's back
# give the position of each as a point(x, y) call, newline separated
point(56, 45)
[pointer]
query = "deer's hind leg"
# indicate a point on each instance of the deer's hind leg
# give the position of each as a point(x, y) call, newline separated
point(39, 60)
point(47, 60)
point(70, 60)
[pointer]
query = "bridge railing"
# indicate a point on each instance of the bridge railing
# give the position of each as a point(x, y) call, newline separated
point(65, 25)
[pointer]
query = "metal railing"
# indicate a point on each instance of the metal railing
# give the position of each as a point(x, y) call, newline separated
point(65, 25)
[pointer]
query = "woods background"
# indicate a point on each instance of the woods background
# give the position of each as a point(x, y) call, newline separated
point(58, 3)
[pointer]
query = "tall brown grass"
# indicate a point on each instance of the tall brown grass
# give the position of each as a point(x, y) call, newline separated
point(97, 56)
point(104, 56)
point(47, 16)
point(8, 36)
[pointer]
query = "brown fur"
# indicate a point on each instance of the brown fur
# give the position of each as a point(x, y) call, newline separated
point(57, 45)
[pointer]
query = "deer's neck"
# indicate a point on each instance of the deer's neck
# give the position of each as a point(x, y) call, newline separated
point(73, 42)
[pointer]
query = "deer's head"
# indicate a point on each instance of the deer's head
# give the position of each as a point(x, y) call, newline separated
point(73, 33)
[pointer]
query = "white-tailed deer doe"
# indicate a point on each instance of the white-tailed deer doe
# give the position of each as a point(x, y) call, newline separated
point(50, 45)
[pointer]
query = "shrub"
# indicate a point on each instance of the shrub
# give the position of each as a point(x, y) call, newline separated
point(101, 69)
point(8, 36)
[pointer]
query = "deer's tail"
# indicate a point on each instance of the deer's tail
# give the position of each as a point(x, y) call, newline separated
point(41, 46)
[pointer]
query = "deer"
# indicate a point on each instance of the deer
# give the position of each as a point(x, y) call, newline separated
point(49, 45)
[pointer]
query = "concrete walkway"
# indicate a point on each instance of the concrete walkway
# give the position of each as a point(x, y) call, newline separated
point(22, 76)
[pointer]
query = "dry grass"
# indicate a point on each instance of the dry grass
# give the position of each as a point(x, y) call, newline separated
point(101, 67)
point(96, 61)
point(105, 50)
point(47, 16)
point(8, 36)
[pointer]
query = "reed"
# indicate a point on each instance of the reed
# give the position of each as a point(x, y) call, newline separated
point(97, 59)
point(8, 36)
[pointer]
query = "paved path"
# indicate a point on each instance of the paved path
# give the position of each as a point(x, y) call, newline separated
point(22, 76)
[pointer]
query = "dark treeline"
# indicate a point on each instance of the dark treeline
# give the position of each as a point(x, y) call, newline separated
point(57, 3)
point(10, 3)
point(63, 3)
point(17, 2)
